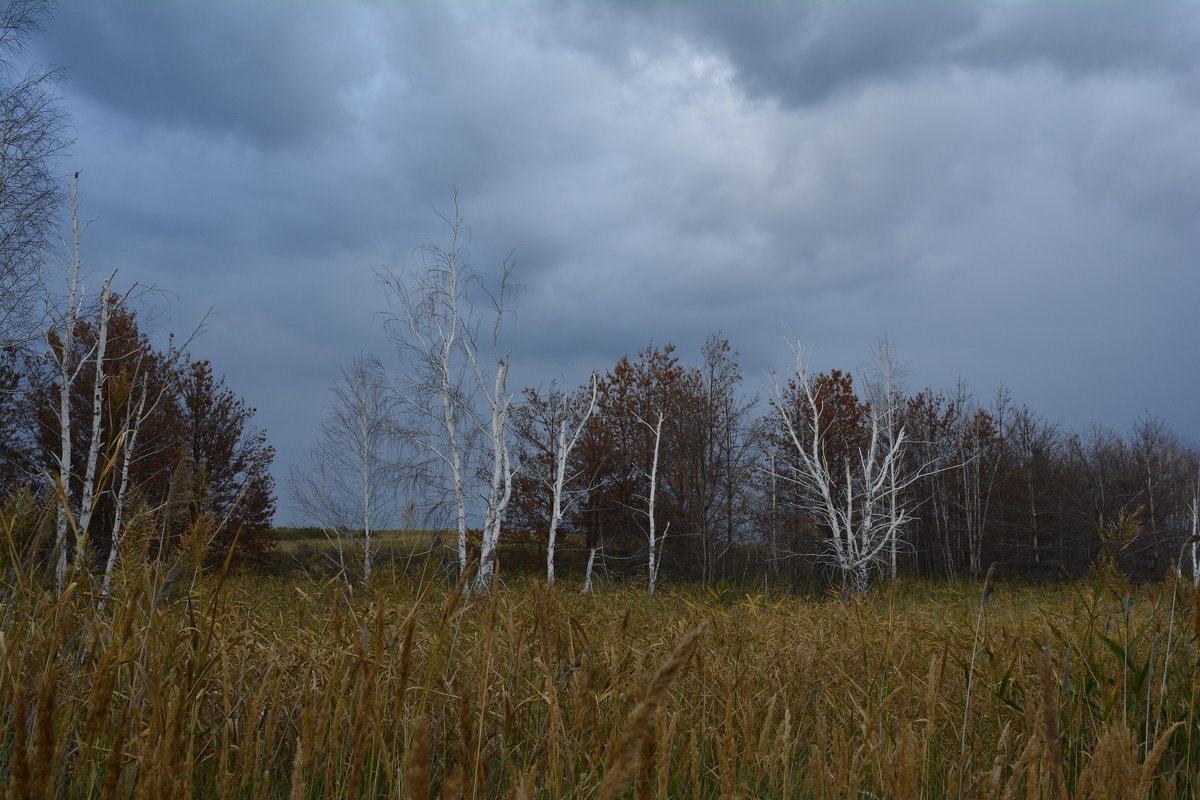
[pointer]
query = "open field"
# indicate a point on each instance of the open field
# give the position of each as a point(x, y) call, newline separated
point(291, 540)
point(287, 688)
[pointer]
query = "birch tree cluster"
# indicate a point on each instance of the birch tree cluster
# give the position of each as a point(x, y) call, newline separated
point(660, 468)
point(135, 435)
point(111, 434)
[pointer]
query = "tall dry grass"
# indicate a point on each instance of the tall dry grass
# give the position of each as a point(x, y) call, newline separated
point(250, 688)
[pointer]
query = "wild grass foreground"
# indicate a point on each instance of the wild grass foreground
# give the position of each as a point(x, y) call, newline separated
point(245, 688)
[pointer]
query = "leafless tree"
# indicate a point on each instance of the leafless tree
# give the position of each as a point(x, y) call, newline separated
point(140, 403)
point(454, 406)
point(494, 455)
point(866, 521)
point(886, 399)
point(563, 445)
point(61, 341)
point(719, 447)
point(75, 509)
point(88, 493)
point(347, 490)
point(653, 540)
point(32, 134)
point(549, 427)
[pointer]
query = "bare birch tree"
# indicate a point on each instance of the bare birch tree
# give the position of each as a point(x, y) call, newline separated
point(563, 445)
point(454, 406)
point(867, 516)
point(61, 341)
point(654, 541)
point(426, 329)
point(347, 491)
point(135, 416)
point(32, 134)
point(886, 403)
point(495, 453)
point(88, 493)
point(549, 427)
point(140, 403)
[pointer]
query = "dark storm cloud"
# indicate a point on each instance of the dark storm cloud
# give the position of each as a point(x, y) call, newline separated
point(270, 73)
point(1084, 37)
point(1008, 190)
point(802, 53)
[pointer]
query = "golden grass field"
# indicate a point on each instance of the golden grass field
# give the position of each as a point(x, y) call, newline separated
point(290, 688)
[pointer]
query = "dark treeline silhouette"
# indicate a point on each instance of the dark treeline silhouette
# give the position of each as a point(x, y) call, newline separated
point(995, 482)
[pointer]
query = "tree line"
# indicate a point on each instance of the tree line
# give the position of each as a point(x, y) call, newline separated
point(658, 466)
point(978, 483)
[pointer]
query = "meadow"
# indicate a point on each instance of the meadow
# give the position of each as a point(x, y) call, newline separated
point(239, 686)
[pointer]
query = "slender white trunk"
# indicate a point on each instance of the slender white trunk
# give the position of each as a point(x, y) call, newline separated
point(88, 495)
point(118, 535)
point(368, 556)
point(562, 454)
point(893, 515)
point(66, 376)
point(500, 487)
point(560, 468)
point(587, 576)
point(449, 411)
point(654, 555)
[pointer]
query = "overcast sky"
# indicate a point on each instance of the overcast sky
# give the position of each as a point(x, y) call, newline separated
point(1009, 191)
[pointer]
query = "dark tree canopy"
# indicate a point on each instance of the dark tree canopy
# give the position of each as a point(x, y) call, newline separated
point(196, 451)
point(998, 483)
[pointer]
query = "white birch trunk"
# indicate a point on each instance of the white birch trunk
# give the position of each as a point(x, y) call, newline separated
point(500, 487)
point(134, 426)
point(368, 556)
point(88, 494)
point(65, 377)
point(562, 454)
point(449, 415)
point(67, 371)
point(652, 559)
point(587, 575)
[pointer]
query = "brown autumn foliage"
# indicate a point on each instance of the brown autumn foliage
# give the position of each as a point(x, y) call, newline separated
point(704, 459)
point(1001, 484)
point(196, 448)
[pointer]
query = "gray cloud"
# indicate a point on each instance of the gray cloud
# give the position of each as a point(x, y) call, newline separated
point(1007, 202)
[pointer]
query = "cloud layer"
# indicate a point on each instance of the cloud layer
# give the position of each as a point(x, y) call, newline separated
point(1009, 190)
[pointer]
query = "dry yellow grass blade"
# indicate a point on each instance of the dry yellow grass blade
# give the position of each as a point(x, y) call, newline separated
point(623, 755)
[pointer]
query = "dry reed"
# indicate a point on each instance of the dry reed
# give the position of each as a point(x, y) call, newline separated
point(261, 688)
